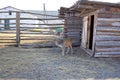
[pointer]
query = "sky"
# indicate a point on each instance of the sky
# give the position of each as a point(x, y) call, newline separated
point(38, 4)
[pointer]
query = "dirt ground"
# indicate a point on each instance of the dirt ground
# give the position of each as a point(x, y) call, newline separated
point(49, 64)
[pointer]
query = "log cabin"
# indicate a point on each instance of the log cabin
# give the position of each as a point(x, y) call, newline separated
point(95, 26)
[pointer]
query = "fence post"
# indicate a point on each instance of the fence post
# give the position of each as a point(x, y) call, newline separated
point(18, 29)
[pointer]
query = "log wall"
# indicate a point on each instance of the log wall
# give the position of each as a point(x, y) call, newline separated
point(74, 29)
point(107, 41)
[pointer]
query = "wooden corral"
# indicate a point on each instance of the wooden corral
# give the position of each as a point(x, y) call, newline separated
point(99, 26)
point(19, 27)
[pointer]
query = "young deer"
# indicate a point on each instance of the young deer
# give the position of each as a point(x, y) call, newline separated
point(63, 44)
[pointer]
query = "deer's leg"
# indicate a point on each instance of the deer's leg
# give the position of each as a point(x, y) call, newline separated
point(68, 49)
point(71, 49)
point(63, 51)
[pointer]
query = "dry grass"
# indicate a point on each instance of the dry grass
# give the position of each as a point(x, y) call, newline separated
point(49, 64)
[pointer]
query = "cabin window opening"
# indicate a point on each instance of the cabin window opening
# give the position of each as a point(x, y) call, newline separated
point(10, 13)
point(91, 32)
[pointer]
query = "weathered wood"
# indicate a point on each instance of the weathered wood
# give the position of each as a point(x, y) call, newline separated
point(108, 15)
point(41, 19)
point(108, 43)
point(41, 24)
point(109, 38)
point(107, 34)
point(108, 28)
point(18, 29)
point(108, 19)
point(32, 18)
point(43, 38)
point(74, 30)
point(7, 32)
point(113, 31)
point(107, 49)
point(50, 27)
point(108, 53)
point(109, 23)
point(7, 44)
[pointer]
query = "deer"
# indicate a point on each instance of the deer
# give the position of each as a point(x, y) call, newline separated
point(64, 43)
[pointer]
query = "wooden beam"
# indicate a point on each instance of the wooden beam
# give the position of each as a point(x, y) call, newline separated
point(18, 29)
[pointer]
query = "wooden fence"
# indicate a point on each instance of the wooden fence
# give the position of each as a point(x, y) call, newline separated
point(21, 32)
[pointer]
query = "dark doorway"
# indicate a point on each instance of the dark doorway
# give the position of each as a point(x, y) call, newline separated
point(91, 32)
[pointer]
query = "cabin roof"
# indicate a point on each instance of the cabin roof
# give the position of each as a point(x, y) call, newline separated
point(96, 3)
point(89, 6)
point(9, 8)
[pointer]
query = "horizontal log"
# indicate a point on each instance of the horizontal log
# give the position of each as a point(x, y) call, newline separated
point(42, 24)
point(37, 39)
point(108, 53)
point(7, 39)
point(108, 28)
point(108, 15)
point(108, 19)
point(110, 38)
point(7, 44)
point(36, 36)
point(28, 24)
point(108, 43)
point(40, 27)
point(73, 36)
point(73, 33)
point(74, 30)
point(113, 31)
point(7, 32)
point(7, 35)
point(107, 49)
point(32, 19)
point(36, 32)
point(108, 24)
point(107, 34)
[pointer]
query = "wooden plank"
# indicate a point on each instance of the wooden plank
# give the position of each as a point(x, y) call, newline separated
point(73, 33)
point(108, 53)
point(18, 29)
point(108, 23)
point(37, 39)
point(7, 44)
point(108, 28)
point(110, 38)
point(113, 31)
point(107, 34)
point(7, 18)
point(32, 18)
point(108, 43)
point(108, 19)
point(41, 19)
point(7, 32)
point(108, 15)
point(74, 30)
point(41, 24)
point(107, 49)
